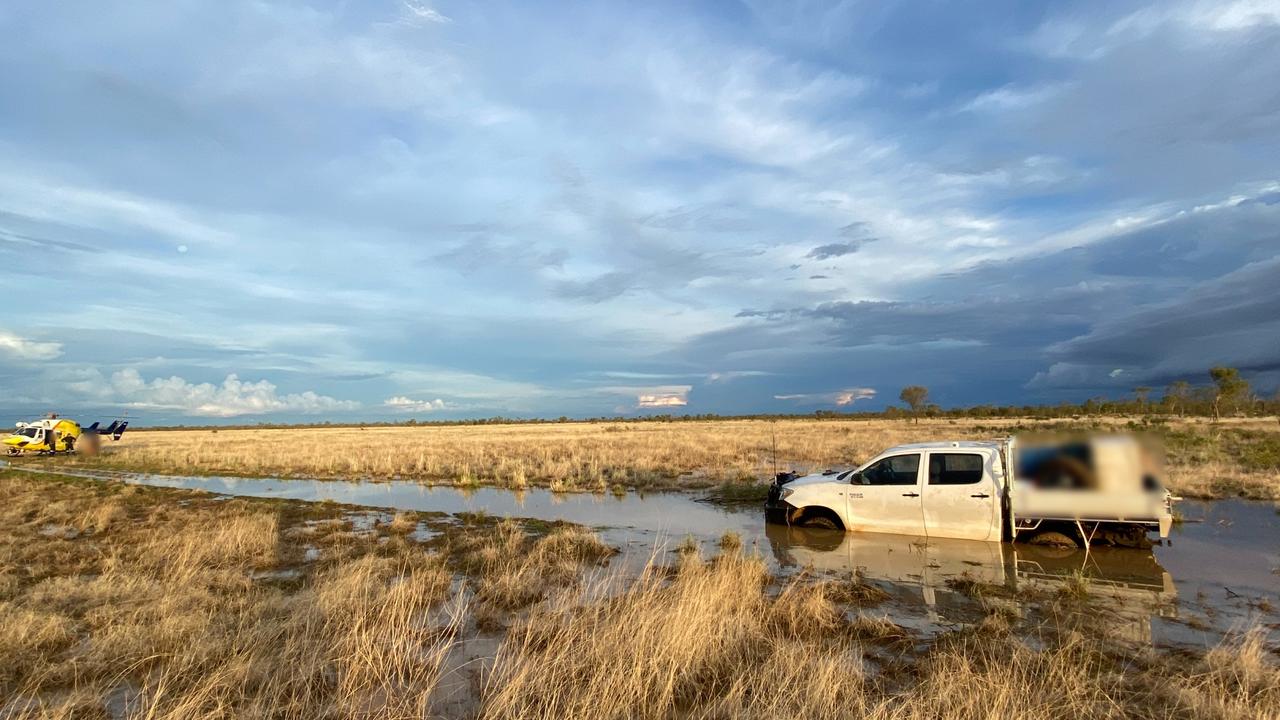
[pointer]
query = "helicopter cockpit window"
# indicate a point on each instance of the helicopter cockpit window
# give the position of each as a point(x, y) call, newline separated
point(28, 432)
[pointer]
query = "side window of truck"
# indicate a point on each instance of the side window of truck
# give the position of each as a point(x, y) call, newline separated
point(896, 470)
point(955, 468)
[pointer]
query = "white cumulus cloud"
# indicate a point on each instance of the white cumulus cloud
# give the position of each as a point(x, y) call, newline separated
point(231, 398)
point(661, 400)
point(839, 398)
point(656, 396)
point(23, 349)
point(401, 403)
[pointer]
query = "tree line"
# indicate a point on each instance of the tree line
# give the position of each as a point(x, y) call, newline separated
point(1225, 393)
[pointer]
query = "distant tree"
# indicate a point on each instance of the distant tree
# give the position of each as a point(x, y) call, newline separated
point(1229, 389)
point(916, 397)
point(1141, 393)
point(1176, 396)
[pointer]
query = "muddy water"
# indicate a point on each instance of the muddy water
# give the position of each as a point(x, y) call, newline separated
point(1220, 570)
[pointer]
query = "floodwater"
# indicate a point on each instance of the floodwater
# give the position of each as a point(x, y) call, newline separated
point(1219, 571)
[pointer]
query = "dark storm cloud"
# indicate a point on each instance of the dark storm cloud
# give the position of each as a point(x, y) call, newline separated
point(1230, 320)
point(1164, 301)
point(857, 238)
point(822, 252)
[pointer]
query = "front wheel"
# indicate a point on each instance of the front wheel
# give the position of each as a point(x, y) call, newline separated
point(821, 523)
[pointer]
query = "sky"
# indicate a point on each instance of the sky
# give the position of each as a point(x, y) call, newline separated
point(228, 211)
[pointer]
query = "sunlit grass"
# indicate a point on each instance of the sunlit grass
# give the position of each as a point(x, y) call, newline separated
point(139, 603)
point(1206, 460)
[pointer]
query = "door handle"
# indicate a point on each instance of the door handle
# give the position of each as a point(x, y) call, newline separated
point(910, 494)
point(981, 495)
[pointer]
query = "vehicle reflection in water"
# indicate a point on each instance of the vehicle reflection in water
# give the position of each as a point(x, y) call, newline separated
point(942, 576)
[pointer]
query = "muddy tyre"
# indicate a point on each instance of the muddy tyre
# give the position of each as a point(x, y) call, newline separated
point(1055, 539)
point(821, 523)
point(818, 519)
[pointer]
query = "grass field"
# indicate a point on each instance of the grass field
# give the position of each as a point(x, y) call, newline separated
point(133, 602)
point(1235, 457)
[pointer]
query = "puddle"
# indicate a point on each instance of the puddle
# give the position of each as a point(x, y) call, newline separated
point(1221, 570)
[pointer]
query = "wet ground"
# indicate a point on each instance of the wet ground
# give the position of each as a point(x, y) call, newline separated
point(1219, 571)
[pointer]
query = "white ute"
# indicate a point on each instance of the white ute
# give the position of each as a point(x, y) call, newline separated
point(1095, 491)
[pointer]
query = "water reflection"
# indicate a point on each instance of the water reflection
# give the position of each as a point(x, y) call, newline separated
point(933, 563)
point(943, 576)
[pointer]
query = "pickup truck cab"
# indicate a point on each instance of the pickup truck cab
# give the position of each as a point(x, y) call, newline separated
point(965, 490)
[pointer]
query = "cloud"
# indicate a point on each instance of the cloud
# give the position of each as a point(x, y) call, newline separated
point(661, 396)
point(822, 252)
point(424, 13)
point(597, 289)
point(729, 375)
point(431, 216)
point(484, 254)
point(1232, 320)
point(751, 105)
point(401, 403)
point(21, 348)
point(232, 398)
point(1009, 98)
point(839, 398)
point(665, 400)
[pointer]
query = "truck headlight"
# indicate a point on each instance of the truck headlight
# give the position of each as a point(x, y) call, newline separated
point(786, 493)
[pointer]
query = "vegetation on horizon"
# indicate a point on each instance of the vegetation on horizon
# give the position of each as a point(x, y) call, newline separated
point(1228, 394)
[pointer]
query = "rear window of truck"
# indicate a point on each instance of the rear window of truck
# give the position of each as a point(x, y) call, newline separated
point(955, 468)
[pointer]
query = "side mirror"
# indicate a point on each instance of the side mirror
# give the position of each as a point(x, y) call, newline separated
point(857, 479)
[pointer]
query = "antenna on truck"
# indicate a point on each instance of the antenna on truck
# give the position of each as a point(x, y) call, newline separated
point(773, 431)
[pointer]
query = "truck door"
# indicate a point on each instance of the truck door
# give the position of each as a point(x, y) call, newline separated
point(960, 499)
point(885, 496)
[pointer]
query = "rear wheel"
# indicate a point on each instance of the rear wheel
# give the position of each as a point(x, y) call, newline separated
point(1053, 538)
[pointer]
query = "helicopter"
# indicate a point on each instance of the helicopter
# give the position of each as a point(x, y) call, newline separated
point(58, 435)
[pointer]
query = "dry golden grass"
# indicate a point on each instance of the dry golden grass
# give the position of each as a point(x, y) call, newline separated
point(600, 456)
point(174, 612)
point(183, 606)
point(712, 643)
